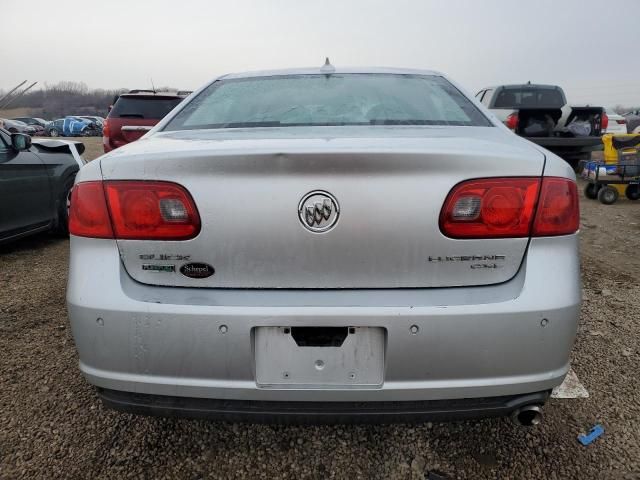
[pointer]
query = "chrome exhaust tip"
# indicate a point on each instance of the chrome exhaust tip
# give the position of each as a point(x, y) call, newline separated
point(528, 416)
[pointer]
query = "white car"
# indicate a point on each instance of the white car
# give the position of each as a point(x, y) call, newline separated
point(326, 244)
point(617, 123)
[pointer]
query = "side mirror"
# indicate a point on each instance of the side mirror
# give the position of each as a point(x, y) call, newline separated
point(20, 141)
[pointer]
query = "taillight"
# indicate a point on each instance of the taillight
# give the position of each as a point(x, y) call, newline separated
point(88, 213)
point(604, 123)
point(512, 121)
point(106, 134)
point(558, 210)
point(621, 122)
point(490, 207)
point(506, 207)
point(134, 210)
point(151, 210)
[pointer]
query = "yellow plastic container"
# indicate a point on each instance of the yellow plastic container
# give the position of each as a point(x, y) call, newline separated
point(611, 154)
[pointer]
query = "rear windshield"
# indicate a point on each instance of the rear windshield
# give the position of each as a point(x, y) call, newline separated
point(529, 97)
point(143, 107)
point(328, 100)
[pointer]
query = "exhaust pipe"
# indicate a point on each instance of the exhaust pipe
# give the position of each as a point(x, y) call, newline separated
point(527, 416)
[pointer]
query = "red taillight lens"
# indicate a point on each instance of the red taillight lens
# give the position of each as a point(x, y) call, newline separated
point(88, 212)
point(512, 121)
point(558, 209)
point(621, 122)
point(106, 133)
point(136, 210)
point(604, 122)
point(505, 208)
point(151, 210)
point(490, 208)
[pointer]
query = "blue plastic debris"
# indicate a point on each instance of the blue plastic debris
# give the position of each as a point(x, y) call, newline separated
point(594, 433)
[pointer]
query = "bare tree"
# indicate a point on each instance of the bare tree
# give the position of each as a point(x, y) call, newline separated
point(67, 98)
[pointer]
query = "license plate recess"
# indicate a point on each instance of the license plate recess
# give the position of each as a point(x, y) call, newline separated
point(291, 357)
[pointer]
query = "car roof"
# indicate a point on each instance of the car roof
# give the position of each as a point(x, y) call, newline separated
point(522, 85)
point(150, 94)
point(321, 71)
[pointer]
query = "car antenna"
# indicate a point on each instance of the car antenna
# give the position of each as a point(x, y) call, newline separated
point(327, 68)
point(152, 86)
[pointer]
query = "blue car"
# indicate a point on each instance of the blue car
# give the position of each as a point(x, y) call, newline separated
point(69, 127)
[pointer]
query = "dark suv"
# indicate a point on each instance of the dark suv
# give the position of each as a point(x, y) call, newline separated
point(134, 113)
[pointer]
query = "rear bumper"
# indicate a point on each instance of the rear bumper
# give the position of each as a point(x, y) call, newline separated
point(477, 342)
point(318, 412)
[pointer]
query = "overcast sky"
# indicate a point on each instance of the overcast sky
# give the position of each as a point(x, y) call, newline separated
point(586, 46)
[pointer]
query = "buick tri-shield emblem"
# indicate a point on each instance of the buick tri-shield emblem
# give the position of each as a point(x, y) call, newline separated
point(318, 211)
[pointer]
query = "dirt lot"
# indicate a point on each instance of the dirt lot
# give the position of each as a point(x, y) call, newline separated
point(52, 425)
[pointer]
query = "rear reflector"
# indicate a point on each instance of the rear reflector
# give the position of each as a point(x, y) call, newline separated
point(506, 207)
point(134, 210)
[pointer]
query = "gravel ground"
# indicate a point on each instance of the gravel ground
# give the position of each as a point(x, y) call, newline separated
point(52, 424)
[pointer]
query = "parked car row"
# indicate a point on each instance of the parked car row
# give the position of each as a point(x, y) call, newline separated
point(131, 115)
point(17, 126)
point(70, 126)
point(75, 127)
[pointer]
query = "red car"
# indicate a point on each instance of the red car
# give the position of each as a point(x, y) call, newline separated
point(134, 113)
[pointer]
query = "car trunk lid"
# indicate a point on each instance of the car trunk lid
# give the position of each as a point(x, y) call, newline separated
point(388, 183)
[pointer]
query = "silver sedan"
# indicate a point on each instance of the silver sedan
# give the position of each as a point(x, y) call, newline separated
point(326, 245)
